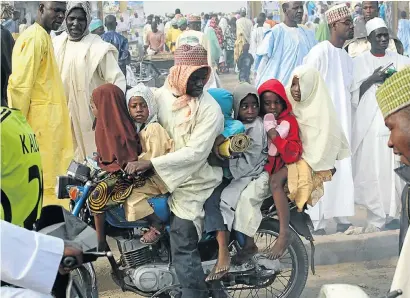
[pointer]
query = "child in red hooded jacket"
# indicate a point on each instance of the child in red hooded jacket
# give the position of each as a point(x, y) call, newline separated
point(285, 148)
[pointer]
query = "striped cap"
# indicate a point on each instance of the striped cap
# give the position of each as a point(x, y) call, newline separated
point(394, 94)
point(189, 55)
point(337, 12)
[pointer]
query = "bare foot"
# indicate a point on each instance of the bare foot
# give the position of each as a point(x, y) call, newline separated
point(221, 267)
point(245, 254)
point(279, 247)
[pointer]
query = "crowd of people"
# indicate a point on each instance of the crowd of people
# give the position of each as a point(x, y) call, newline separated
point(313, 113)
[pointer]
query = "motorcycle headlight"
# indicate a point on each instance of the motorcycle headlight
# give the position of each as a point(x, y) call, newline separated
point(61, 186)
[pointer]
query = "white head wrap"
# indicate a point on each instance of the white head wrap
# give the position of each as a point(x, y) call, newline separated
point(323, 139)
point(374, 24)
point(146, 93)
point(86, 6)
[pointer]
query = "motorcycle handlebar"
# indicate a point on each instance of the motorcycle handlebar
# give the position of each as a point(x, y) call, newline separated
point(70, 262)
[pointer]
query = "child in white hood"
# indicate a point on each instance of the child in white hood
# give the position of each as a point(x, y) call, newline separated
point(155, 141)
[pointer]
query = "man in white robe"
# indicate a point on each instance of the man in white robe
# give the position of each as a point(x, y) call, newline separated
point(336, 68)
point(85, 62)
point(376, 186)
point(243, 33)
point(193, 120)
point(257, 36)
point(284, 46)
point(360, 44)
point(244, 26)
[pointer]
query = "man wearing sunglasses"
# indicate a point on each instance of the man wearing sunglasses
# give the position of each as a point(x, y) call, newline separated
point(336, 68)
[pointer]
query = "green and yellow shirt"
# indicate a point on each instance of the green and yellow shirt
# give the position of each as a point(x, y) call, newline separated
point(21, 170)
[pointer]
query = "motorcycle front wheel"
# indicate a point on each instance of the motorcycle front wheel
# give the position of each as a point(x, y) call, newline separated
point(83, 283)
point(291, 280)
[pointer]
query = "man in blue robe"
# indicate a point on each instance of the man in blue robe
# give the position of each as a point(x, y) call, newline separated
point(284, 46)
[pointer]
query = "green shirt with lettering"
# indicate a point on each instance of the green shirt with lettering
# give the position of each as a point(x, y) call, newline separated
point(21, 170)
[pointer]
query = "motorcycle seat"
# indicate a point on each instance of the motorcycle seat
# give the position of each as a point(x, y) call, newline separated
point(116, 216)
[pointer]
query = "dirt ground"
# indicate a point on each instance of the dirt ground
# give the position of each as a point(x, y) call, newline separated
point(373, 277)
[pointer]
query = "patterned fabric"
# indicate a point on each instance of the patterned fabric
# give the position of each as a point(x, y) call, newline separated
point(394, 94)
point(188, 59)
point(112, 191)
point(218, 31)
point(6, 10)
point(336, 13)
point(190, 55)
point(230, 38)
point(146, 93)
point(194, 18)
point(86, 6)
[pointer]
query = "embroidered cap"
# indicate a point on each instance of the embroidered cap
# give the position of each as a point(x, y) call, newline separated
point(394, 94)
point(194, 18)
point(189, 55)
point(337, 13)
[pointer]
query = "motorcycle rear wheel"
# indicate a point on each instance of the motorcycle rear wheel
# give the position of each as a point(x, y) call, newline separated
point(293, 280)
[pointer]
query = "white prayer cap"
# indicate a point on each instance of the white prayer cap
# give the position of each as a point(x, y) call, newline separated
point(374, 24)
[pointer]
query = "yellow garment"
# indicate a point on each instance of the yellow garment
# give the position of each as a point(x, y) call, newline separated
point(239, 43)
point(155, 141)
point(305, 186)
point(85, 65)
point(172, 37)
point(35, 88)
point(321, 134)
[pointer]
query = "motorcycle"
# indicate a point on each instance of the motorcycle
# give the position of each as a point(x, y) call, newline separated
point(147, 270)
point(81, 282)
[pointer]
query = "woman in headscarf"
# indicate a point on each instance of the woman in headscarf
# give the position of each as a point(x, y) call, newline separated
point(213, 26)
point(118, 147)
point(118, 150)
point(155, 142)
point(85, 62)
point(215, 46)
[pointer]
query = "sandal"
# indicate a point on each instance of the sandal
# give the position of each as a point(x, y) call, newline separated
point(151, 237)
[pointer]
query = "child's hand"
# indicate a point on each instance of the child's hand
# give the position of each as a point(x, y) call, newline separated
point(269, 122)
point(272, 133)
point(215, 149)
point(283, 129)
